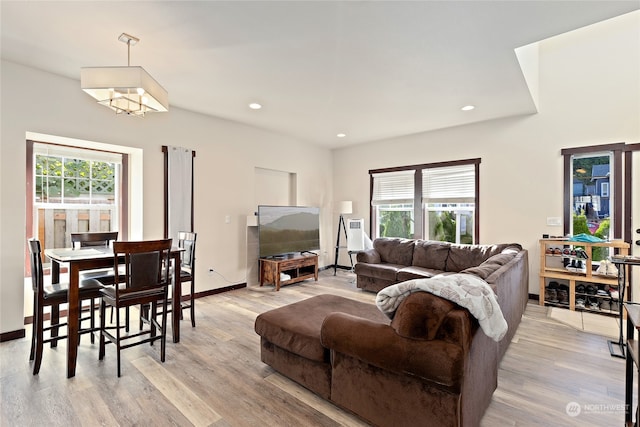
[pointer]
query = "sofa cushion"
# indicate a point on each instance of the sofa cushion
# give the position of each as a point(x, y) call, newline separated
point(378, 271)
point(296, 327)
point(465, 256)
point(492, 264)
point(414, 272)
point(431, 254)
point(395, 250)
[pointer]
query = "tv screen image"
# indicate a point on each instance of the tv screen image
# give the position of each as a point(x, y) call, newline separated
point(284, 230)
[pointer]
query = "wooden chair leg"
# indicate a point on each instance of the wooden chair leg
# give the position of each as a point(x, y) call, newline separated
point(193, 304)
point(92, 320)
point(32, 353)
point(39, 345)
point(152, 319)
point(118, 338)
point(55, 319)
point(163, 331)
point(103, 324)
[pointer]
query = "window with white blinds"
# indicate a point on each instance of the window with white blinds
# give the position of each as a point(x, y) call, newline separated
point(437, 201)
point(393, 188)
point(449, 184)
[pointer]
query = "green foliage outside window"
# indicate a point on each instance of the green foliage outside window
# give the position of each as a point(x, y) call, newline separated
point(66, 179)
point(396, 223)
point(444, 228)
point(580, 226)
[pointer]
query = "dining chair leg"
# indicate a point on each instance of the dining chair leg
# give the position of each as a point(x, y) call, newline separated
point(163, 332)
point(103, 324)
point(118, 339)
point(193, 304)
point(153, 319)
point(55, 319)
point(34, 322)
point(92, 320)
point(39, 345)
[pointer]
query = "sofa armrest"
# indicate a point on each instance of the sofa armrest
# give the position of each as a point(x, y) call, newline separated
point(378, 344)
point(370, 256)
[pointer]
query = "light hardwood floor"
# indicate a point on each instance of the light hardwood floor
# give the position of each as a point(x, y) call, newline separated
point(214, 376)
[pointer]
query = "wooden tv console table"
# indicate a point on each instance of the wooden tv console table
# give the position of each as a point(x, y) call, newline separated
point(299, 267)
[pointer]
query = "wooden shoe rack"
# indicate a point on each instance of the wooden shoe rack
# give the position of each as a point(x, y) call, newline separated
point(552, 268)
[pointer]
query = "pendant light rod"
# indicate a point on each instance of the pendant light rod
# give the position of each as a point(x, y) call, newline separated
point(130, 41)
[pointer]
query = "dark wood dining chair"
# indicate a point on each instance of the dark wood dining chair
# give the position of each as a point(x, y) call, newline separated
point(186, 241)
point(93, 239)
point(146, 281)
point(51, 296)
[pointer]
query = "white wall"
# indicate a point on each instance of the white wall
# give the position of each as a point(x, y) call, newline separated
point(227, 154)
point(589, 94)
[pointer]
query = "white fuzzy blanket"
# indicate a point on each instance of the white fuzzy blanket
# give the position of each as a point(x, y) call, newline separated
point(466, 290)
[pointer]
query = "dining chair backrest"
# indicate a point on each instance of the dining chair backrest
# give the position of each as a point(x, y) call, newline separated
point(99, 238)
point(37, 274)
point(145, 264)
point(187, 241)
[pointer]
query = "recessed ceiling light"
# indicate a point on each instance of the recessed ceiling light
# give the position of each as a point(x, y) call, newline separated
point(341, 135)
point(468, 107)
point(255, 106)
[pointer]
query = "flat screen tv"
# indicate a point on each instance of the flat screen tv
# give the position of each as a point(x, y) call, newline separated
point(285, 230)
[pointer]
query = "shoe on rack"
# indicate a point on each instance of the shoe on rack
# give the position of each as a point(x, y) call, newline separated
point(551, 295)
point(580, 289)
point(580, 303)
point(580, 253)
point(563, 296)
point(612, 270)
point(614, 294)
point(602, 268)
point(591, 290)
point(593, 304)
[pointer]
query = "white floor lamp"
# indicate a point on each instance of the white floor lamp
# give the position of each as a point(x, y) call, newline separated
point(344, 208)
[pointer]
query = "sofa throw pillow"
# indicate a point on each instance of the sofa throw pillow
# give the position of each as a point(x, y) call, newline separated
point(492, 264)
point(465, 256)
point(431, 254)
point(395, 250)
point(462, 257)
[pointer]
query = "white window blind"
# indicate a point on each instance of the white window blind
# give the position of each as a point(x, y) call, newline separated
point(393, 188)
point(455, 184)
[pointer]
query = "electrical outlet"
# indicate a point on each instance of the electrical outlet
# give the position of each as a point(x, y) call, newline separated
point(227, 219)
point(554, 221)
point(211, 271)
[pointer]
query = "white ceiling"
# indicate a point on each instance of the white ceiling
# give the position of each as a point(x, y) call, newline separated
point(370, 69)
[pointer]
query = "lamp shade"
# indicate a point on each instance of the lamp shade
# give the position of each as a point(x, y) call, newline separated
point(345, 207)
point(128, 90)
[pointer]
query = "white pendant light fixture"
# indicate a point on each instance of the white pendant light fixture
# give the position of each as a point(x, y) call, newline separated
point(126, 90)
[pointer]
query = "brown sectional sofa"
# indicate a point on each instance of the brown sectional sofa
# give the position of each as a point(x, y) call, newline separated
point(430, 366)
point(505, 267)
